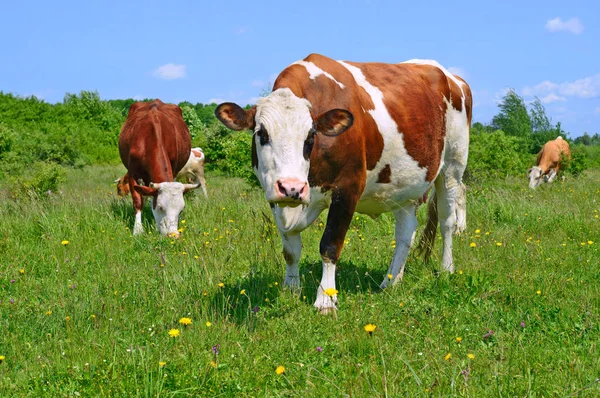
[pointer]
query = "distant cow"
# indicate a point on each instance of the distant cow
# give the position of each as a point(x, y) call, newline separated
point(154, 145)
point(194, 168)
point(549, 162)
point(364, 137)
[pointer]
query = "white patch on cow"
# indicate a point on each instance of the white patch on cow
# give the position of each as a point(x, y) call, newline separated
point(138, 228)
point(408, 180)
point(296, 219)
point(287, 120)
point(314, 71)
point(169, 204)
point(324, 302)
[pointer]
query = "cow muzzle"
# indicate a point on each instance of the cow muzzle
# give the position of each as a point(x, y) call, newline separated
point(290, 192)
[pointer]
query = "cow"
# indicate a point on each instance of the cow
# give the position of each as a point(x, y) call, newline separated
point(154, 144)
point(549, 162)
point(357, 137)
point(194, 168)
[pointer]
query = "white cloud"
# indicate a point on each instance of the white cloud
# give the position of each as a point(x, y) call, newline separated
point(588, 87)
point(457, 70)
point(572, 25)
point(170, 72)
point(552, 98)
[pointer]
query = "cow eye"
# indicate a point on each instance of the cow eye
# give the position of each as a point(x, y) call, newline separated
point(308, 144)
point(263, 135)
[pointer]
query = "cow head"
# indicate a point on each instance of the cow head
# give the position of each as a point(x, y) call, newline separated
point(122, 186)
point(167, 203)
point(284, 135)
point(535, 175)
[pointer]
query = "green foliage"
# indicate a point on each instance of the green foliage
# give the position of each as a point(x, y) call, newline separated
point(37, 180)
point(193, 121)
point(578, 162)
point(7, 140)
point(493, 155)
point(237, 149)
point(513, 117)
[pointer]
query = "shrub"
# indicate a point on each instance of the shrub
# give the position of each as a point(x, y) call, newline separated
point(578, 163)
point(40, 179)
point(237, 149)
point(7, 140)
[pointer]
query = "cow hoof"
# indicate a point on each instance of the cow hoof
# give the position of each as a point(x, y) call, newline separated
point(292, 282)
point(138, 230)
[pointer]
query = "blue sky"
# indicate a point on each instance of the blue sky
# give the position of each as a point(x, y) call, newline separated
point(203, 51)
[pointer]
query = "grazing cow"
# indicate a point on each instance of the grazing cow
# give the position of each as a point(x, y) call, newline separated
point(549, 162)
point(154, 145)
point(364, 137)
point(194, 168)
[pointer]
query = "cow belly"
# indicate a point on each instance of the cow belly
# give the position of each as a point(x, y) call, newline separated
point(390, 198)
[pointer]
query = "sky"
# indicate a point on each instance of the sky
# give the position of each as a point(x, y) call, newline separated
point(215, 51)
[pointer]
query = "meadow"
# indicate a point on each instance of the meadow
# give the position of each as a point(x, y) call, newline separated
point(87, 309)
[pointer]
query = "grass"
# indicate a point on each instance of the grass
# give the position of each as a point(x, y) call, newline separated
point(92, 317)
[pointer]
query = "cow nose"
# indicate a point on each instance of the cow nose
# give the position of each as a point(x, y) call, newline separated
point(292, 188)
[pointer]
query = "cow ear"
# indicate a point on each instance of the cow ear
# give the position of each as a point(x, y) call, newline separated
point(233, 116)
point(334, 122)
point(146, 191)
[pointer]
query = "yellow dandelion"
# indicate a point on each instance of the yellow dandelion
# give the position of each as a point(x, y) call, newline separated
point(447, 357)
point(49, 312)
point(2, 358)
point(564, 244)
point(401, 304)
point(390, 276)
point(460, 272)
point(243, 291)
point(330, 291)
point(174, 332)
point(22, 271)
point(208, 324)
point(498, 244)
point(280, 370)
point(93, 316)
point(213, 364)
point(162, 363)
point(221, 284)
point(470, 356)
point(539, 292)
point(590, 242)
point(477, 231)
point(185, 321)
point(64, 242)
point(162, 264)
point(458, 340)
point(487, 233)
point(68, 318)
point(276, 283)
point(473, 244)
point(370, 328)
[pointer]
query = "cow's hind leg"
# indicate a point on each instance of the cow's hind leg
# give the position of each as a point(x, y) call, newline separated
point(406, 224)
point(446, 186)
point(461, 209)
point(292, 249)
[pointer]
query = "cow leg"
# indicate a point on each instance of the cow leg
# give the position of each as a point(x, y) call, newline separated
point(138, 205)
point(551, 176)
point(446, 188)
point(406, 224)
point(202, 181)
point(338, 221)
point(461, 209)
point(292, 249)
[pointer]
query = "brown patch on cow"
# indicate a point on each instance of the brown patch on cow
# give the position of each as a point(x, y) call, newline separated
point(552, 154)
point(385, 174)
point(468, 99)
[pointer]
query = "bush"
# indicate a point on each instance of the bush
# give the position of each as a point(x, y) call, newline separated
point(493, 155)
point(578, 162)
point(7, 140)
point(237, 149)
point(40, 179)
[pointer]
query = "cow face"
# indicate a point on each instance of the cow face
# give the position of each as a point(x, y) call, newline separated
point(167, 204)
point(535, 175)
point(284, 136)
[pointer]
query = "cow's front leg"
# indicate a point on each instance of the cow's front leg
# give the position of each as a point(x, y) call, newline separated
point(550, 176)
point(292, 249)
point(138, 205)
point(338, 221)
point(406, 224)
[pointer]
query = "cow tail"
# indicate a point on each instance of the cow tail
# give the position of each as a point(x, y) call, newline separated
point(427, 240)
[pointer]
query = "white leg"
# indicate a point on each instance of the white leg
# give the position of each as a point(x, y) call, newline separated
point(137, 226)
point(406, 224)
point(446, 194)
point(292, 249)
point(324, 302)
point(551, 176)
point(461, 209)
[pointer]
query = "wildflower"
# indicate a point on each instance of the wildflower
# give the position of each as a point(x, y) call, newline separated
point(539, 292)
point(370, 328)
point(489, 334)
point(2, 358)
point(243, 291)
point(470, 356)
point(390, 276)
point(162, 363)
point(22, 271)
point(320, 349)
point(215, 349)
point(522, 324)
point(174, 332)
point(255, 309)
point(49, 312)
point(447, 357)
point(208, 324)
point(68, 318)
point(590, 242)
point(64, 242)
point(221, 284)
point(458, 340)
point(213, 364)
point(477, 231)
point(185, 321)
point(93, 316)
point(498, 244)
point(460, 272)
point(473, 244)
point(330, 291)
point(280, 370)
point(12, 281)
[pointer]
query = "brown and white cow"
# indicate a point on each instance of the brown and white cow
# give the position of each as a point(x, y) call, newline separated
point(194, 168)
point(364, 137)
point(549, 162)
point(154, 145)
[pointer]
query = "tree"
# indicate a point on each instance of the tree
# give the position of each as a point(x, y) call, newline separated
point(513, 118)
